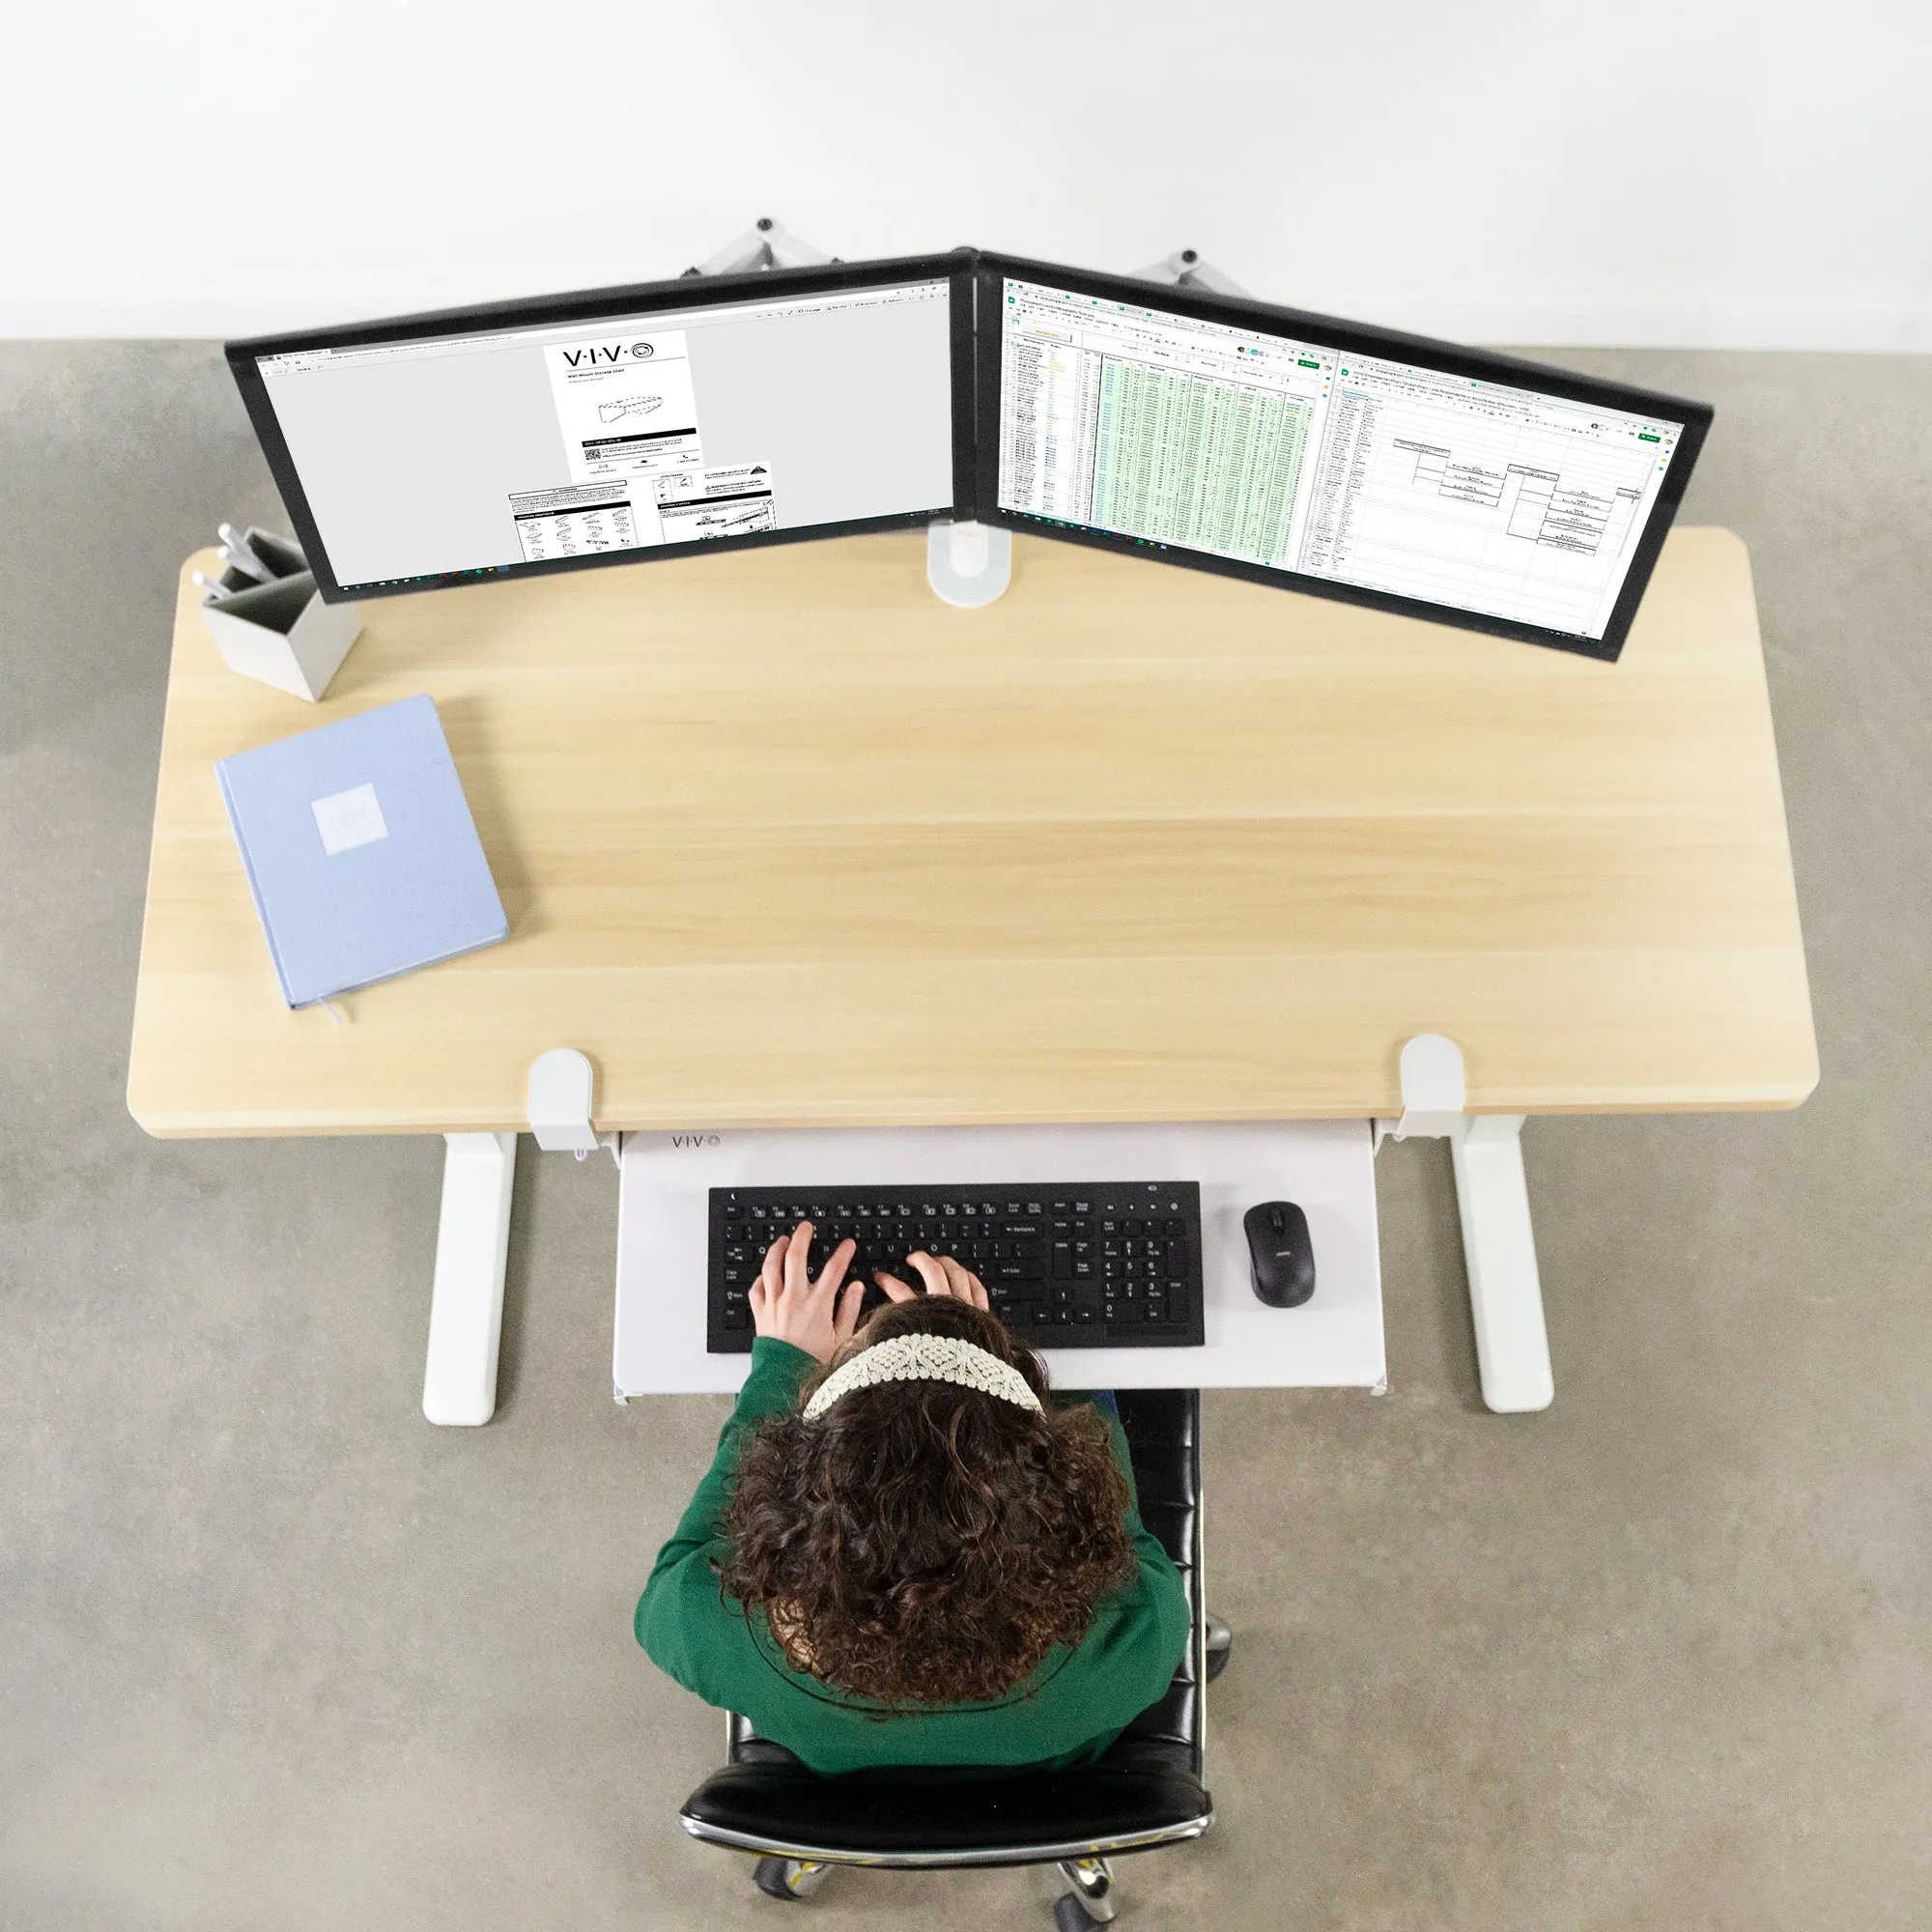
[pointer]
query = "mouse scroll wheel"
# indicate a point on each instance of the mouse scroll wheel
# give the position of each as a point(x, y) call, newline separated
point(1277, 1221)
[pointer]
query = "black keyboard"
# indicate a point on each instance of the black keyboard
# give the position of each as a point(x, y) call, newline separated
point(1112, 1265)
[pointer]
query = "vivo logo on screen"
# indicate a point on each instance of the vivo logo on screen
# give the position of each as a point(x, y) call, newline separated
point(578, 358)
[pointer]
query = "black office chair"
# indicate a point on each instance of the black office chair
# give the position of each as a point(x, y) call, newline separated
point(1145, 1791)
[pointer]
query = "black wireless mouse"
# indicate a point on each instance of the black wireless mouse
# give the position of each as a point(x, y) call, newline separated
point(1283, 1257)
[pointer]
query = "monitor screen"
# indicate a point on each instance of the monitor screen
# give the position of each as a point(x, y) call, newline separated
point(1379, 468)
point(613, 427)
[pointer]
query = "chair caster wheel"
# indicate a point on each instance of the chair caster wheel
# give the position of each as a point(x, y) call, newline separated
point(1220, 1647)
point(789, 1878)
point(1091, 1902)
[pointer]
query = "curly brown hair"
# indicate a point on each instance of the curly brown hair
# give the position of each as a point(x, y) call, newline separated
point(924, 1544)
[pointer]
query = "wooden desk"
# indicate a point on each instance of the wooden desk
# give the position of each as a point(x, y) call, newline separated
point(785, 841)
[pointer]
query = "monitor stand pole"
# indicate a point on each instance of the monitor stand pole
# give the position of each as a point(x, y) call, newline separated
point(967, 564)
point(970, 565)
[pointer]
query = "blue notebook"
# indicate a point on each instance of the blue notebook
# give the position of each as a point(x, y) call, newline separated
point(360, 851)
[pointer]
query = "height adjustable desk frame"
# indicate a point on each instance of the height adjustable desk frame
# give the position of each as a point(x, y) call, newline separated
point(1493, 1203)
point(1131, 843)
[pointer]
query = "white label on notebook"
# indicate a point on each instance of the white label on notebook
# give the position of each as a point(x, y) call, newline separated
point(347, 819)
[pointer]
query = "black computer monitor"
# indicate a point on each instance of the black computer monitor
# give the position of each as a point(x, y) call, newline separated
point(1323, 456)
point(619, 425)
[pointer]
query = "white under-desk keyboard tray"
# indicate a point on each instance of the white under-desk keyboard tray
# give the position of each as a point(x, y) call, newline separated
point(1332, 1341)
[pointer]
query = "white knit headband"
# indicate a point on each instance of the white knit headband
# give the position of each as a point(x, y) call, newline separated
point(925, 1359)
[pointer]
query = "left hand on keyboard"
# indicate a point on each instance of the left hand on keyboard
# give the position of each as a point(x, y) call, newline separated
point(789, 1306)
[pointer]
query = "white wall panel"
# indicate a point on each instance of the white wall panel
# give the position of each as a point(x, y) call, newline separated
point(1702, 173)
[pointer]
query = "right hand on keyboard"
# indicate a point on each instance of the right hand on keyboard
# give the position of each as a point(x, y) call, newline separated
point(942, 1275)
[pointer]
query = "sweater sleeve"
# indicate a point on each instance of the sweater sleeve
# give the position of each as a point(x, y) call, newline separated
point(680, 1599)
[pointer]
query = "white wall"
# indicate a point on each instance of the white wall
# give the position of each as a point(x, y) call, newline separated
point(1613, 171)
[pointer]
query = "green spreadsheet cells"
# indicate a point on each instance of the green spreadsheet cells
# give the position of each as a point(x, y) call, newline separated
point(1186, 461)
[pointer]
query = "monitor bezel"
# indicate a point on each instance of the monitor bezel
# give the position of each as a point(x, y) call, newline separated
point(1355, 338)
point(956, 266)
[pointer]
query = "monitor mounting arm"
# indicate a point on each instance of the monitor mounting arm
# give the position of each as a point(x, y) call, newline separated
point(763, 245)
point(1184, 268)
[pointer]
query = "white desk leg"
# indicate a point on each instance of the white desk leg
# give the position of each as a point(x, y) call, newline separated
point(1500, 1249)
point(465, 1310)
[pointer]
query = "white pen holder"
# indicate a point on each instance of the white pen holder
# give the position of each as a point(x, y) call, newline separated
point(281, 633)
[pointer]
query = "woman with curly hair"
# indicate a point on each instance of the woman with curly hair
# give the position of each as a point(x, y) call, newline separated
point(907, 1550)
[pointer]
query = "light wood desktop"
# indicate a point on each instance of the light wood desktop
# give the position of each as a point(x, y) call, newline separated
point(783, 840)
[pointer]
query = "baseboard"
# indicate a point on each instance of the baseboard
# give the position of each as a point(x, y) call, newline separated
point(1881, 320)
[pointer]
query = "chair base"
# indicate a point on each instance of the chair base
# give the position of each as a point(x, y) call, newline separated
point(1218, 1640)
point(789, 1878)
point(1091, 1902)
point(1088, 1901)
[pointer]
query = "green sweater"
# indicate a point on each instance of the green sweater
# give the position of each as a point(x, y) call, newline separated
point(1071, 1709)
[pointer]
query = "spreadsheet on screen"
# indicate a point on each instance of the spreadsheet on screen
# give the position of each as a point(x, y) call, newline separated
point(1302, 456)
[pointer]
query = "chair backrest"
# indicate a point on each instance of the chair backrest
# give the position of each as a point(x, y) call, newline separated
point(1163, 1431)
point(1145, 1791)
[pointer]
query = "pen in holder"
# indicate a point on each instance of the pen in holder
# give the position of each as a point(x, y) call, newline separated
point(277, 630)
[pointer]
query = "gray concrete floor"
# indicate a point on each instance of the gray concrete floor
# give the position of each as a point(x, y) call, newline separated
point(275, 1653)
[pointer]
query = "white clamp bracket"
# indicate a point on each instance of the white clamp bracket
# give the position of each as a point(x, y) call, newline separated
point(558, 1103)
point(1498, 1242)
point(1433, 1091)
